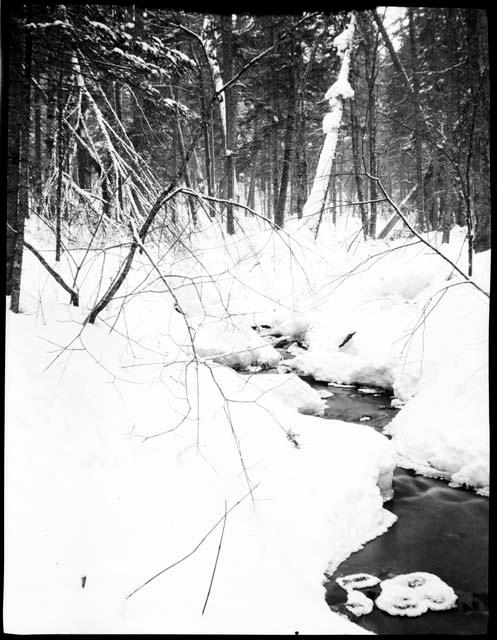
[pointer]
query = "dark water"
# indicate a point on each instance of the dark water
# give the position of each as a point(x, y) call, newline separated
point(440, 529)
point(350, 405)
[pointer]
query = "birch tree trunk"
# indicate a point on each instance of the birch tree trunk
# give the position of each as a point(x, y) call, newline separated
point(336, 94)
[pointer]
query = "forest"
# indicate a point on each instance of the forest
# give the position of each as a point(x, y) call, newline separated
point(221, 231)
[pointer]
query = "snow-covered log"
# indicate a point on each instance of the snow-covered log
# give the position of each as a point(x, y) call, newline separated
point(336, 94)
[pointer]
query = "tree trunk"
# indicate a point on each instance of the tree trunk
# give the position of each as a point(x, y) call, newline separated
point(205, 128)
point(370, 55)
point(418, 123)
point(182, 153)
point(212, 57)
point(373, 168)
point(279, 216)
point(356, 158)
point(18, 134)
point(253, 172)
point(230, 95)
point(13, 142)
point(331, 124)
point(37, 177)
point(118, 110)
point(60, 160)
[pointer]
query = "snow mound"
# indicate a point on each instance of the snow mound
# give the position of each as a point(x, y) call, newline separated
point(291, 390)
point(341, 368)
point(294, 325)
point(233, 345)
point(357, 580)
point(413, 594)
point(358, 603)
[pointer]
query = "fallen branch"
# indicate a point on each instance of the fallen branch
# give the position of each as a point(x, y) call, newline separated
point(74, 295)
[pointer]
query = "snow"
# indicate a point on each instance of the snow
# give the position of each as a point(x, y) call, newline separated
point(421, 332)
point(233, 346)
point(413, 594)
point(410, 594)
point(125, 443)
point(336, 94)
point(358, 603)
point(360, 580)
point(129, 451)
point(292, 391)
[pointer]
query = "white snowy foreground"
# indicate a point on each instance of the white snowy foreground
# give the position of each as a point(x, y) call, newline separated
point(125, 446)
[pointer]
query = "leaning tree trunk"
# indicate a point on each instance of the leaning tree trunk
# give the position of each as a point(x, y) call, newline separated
point(336, 94)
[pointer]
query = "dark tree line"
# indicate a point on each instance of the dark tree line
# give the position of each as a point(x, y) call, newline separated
point(108, 105)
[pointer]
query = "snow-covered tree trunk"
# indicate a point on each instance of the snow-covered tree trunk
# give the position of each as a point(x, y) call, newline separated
point(214, 68)
point(336, 94)
point(208, 34)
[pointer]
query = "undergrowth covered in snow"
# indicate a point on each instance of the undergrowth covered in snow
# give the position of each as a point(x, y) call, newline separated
point(131, 439)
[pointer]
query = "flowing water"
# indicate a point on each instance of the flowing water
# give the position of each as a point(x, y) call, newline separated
point(440, 529)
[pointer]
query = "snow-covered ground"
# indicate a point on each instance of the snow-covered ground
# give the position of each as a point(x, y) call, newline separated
point(126, 445)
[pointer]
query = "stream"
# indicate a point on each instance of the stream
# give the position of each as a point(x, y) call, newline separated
point(440, 529)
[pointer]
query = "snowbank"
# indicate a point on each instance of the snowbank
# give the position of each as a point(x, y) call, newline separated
point(423, 333)
point(233, 345)
point(288, 388)
point(127, 454)
point(133, 445)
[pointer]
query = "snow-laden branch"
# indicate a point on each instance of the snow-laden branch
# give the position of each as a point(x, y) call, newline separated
point(336, 94)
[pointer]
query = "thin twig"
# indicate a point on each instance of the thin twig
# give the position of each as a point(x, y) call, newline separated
point(217, 558)
point(195, 548)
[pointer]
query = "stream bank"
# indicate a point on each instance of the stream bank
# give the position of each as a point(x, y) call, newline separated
point(440, 529)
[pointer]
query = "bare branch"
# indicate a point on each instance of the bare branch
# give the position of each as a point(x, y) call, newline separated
point(74, 295)
point(420, 237)
point(223, 518)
